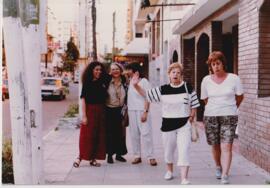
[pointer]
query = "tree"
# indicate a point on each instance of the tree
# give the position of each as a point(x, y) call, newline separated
point(72, 55)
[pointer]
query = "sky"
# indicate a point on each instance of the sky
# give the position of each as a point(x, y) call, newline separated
point(66, 10)
point(105, 9)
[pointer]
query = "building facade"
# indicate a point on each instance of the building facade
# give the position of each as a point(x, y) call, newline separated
point(239, 28)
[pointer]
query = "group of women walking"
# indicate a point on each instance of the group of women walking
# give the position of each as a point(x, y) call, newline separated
point(105, 97)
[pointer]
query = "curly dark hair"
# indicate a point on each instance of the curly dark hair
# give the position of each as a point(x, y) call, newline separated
point(87, 75)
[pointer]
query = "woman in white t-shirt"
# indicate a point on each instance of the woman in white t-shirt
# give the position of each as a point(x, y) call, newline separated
point(222, 93)
point(139, 121)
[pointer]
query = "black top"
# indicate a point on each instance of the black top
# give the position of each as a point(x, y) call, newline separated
point(94, 92)
point(170, 124)
point(169, 90)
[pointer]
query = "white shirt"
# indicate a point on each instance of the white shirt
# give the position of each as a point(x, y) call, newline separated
point(221, 97)
point(135, 100)
point(176, 100)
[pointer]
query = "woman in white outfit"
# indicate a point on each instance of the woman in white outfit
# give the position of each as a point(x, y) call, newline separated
point(139, 121)
point(179, 103)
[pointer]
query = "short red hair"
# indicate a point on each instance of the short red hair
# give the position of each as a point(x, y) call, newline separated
point(217, 55)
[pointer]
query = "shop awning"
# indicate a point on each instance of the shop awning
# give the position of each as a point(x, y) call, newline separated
point(138, 46)
point(198, 13)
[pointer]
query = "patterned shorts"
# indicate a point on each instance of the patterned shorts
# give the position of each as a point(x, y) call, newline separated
point(220, 129)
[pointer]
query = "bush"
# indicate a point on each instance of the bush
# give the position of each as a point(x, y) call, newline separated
point(7, 165)
point(73, 110)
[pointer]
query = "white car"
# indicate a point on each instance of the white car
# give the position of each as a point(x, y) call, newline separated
point(52, 87)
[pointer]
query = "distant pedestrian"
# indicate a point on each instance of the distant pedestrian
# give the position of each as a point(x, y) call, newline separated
point(179, 103)
point(115, 131)
point(222, 93)
point(139, 121)
point(92, 144)
point(65, 80)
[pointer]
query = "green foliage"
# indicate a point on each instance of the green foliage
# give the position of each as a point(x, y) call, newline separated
point(7, 165)
point(68, 66)
point(66, 90)
point(72, 55)
point(73, 110)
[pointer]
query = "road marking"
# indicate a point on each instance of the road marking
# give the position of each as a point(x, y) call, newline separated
point(50, 132)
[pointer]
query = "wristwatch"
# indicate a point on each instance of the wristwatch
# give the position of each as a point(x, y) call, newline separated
point(145, 111)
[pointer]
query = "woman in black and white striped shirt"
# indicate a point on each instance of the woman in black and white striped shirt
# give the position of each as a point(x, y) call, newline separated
point(179, 103)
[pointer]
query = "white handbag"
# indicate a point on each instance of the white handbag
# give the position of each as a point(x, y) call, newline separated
point(194, 133)
point(194, 130)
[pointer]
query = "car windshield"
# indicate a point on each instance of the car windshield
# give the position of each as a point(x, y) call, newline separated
point(52, 82)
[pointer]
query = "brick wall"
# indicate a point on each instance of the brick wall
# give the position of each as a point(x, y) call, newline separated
point(264, 50)
point(254, 118)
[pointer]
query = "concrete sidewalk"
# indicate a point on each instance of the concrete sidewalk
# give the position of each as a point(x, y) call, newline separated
point(61, 149)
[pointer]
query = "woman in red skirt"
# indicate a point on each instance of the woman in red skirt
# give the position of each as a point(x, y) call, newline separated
point(92, 134)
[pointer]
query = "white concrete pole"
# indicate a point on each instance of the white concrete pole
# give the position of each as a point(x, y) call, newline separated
point(83, 10)
point(31, 44)
point(22, 38)
point(31, 32)
point(19, 109)
point(43, 26)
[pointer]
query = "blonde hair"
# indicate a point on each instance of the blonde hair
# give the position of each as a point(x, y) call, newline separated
point(174, 66)
point(117, 65)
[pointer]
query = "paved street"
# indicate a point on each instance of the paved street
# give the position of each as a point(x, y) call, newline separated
point(61, 148)
point(52, 110)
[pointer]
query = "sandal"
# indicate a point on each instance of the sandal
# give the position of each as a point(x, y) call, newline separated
point(95, 163)
point(76, 163)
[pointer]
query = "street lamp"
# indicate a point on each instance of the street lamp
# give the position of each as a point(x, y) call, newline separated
point(146, 4)
point(149, 19)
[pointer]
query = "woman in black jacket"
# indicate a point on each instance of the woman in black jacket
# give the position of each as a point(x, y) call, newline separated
point(115, 131)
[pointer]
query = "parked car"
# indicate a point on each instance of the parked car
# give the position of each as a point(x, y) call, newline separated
point(5, 93)
point(53, 87)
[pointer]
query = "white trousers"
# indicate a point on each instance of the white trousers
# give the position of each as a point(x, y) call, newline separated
point(140, 132)
point(180, 139)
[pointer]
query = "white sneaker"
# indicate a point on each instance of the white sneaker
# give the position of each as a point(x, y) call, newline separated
point(168, 175)
point(185, 182)
point(225, 180)
point(218, 172)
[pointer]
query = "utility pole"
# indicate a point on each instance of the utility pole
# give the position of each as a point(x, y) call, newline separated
point(113, 38)
point(94, 18)
point(22, 41)
point(82, 62)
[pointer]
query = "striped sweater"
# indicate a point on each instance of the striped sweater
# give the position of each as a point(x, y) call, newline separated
point(176, 103)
